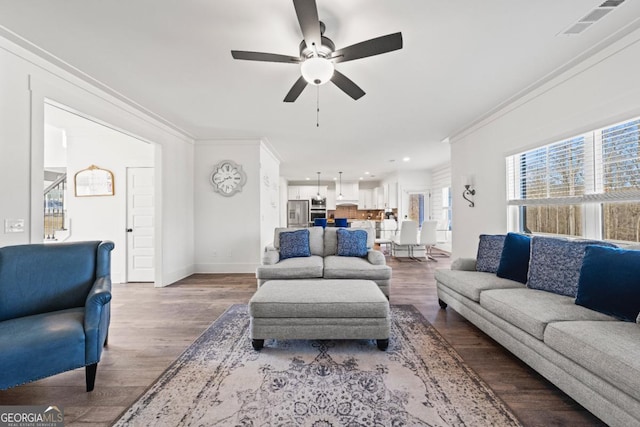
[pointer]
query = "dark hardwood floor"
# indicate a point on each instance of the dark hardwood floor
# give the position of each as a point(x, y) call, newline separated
point(151, 327)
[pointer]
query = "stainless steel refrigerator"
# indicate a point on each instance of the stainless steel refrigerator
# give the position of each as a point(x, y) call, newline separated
point(298, 213)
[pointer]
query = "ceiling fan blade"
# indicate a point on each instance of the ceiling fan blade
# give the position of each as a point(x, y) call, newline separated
point(347, 85)
point(262, 56)
point(371, 47)
point(307, 13)
point(296, 90)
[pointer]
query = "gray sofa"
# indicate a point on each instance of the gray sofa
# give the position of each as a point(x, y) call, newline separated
point(324, 263)
point(591, 356)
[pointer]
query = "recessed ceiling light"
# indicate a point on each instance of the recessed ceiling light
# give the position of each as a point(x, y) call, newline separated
point(406, 159)
point(366, 173)
point(361, 178)
point(307, 178)
point(335, 179)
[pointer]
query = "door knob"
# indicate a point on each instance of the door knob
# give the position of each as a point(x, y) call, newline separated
point(129, 230)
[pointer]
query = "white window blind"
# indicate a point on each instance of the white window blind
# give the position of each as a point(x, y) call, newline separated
point(599, 166)
point(620, 166)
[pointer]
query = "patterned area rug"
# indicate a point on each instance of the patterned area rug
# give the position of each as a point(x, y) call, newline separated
point(221, 381)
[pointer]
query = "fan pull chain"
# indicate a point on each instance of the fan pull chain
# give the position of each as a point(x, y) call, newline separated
point(318, 106)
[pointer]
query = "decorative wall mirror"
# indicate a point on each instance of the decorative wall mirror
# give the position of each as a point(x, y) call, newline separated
point(94, 181)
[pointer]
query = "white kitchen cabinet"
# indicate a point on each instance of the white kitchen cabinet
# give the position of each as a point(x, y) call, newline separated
point(349, 190)
point(391, 195)
point(331, 199)
point(365, 199)
point(293, 192)
point(305, 192)
point(378, 198)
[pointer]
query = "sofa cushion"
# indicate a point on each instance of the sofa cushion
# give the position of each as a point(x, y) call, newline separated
point(330, 241)
point(532, 310)
point(51, 343)
point(471, 283)
point(489, 252)
point(610, 282)
point(555, 264)
point(514, 260)
point(292, 268)
point(294, 244)
point(352, 242)
point(316, 239)
point(608, 349)
point(339, 267)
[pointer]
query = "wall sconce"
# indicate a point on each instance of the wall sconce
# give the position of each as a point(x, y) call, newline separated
point(468, 191)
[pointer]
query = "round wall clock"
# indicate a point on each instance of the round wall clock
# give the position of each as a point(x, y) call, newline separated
point(228, 178)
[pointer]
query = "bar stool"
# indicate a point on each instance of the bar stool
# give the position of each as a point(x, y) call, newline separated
point(341, 222)
point(320, 222)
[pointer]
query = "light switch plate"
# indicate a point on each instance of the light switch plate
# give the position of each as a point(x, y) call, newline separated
point(14, 225)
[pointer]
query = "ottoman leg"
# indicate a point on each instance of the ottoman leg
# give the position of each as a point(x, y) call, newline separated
point(382, 344)
point(257, 344)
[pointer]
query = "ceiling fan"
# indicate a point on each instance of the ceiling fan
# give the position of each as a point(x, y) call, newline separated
point(318, 54)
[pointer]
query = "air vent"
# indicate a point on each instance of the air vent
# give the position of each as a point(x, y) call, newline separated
point(595, 15)
point(577, 28)
point(612, 3)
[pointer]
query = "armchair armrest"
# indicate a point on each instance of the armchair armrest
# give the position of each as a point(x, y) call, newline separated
point(96, 318)
point(270, 256)
point(464, 264)
point(376, 257)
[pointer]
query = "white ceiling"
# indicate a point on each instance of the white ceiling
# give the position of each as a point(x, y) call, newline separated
point(461, 59)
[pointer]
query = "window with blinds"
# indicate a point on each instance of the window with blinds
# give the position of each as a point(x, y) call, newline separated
point(552, 185)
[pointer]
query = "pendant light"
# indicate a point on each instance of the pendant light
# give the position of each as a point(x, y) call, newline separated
point(318, 196)
point(340, 196)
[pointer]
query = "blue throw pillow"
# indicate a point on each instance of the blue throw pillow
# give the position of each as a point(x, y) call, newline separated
point(294, 244)
point(352, 242)
point(514, 260)
point(555, 264)
point(489, 252)
point(610, 282)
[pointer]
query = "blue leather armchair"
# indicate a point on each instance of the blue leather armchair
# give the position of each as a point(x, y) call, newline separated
point(54, 309)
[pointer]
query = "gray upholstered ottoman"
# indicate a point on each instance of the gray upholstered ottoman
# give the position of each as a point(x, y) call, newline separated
point(319, 309)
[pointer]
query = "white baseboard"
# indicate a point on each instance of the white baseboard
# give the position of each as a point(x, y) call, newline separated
point(226, 268)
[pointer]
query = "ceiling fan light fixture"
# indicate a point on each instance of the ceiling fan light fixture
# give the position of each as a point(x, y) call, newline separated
point(317, 70)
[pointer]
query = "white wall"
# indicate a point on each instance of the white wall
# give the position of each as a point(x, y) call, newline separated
point(602, 90)
point(103, 218)
point(26, 81)
point(230, 231)
point(269, 195)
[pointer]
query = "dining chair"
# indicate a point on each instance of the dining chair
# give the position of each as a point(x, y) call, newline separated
point(408, 237)
point(428, 238)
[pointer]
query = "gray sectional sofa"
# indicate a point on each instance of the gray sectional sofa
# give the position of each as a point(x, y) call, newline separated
point(324, 262)
point(591, 356)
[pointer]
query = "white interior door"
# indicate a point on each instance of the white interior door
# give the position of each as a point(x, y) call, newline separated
point(140, 225)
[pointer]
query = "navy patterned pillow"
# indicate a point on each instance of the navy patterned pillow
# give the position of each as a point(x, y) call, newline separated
point(555, 264)
point(352, 242)
point(294, 244)
point(489, 252)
